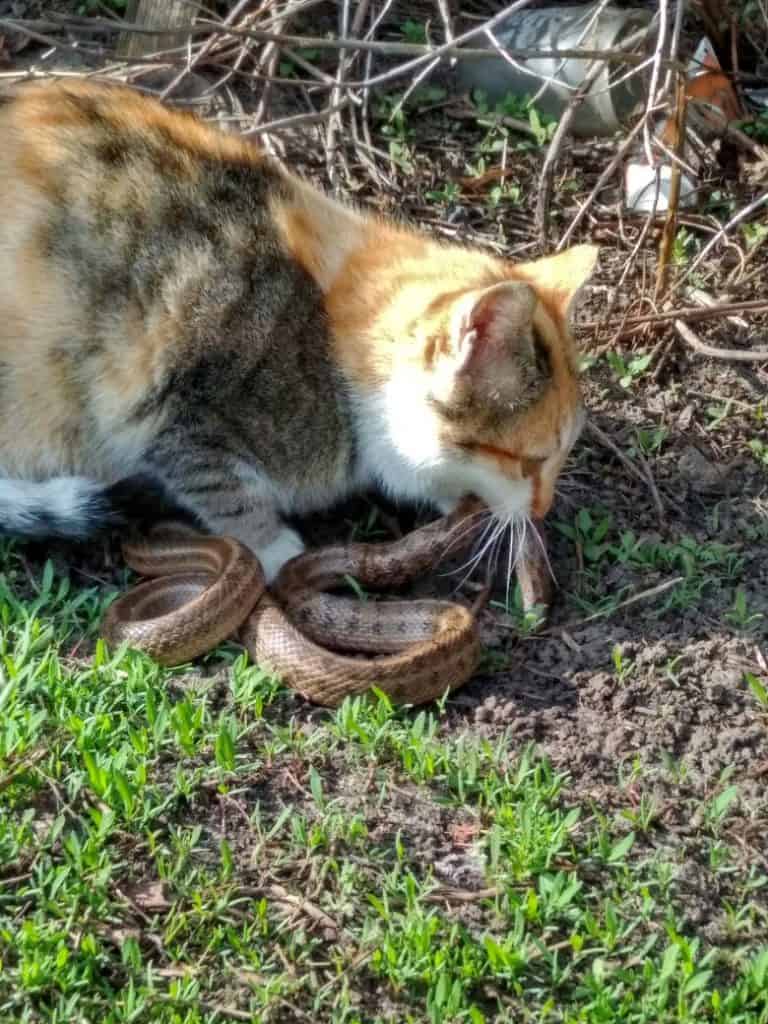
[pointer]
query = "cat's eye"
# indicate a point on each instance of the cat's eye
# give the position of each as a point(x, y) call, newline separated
point(529, 464)
point(490, 449)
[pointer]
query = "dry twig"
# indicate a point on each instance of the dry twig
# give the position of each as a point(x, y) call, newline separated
point(686, 313)
point(643, 475)
point(736, 355)
point(642, 595)
point(737, 218)
point(553, 151)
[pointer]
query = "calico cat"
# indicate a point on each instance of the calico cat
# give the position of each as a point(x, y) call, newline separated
point(174, 303)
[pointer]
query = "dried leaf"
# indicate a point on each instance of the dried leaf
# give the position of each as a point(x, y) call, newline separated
point(150, 897)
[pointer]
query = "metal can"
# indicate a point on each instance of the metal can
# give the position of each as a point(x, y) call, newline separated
point(552, 81)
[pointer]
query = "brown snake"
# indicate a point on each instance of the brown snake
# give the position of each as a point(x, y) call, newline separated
point(207, 588)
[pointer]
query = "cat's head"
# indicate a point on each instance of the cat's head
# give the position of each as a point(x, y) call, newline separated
point(495, 405)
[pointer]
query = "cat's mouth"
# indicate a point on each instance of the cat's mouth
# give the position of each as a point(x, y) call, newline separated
point(506, 542)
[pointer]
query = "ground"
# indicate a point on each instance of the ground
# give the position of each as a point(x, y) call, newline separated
point(578, 835)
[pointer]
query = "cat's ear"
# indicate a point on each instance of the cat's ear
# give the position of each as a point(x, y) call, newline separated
point(488, 324)
point(560, 278)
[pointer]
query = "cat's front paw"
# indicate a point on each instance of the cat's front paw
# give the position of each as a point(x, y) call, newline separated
point(274, 555)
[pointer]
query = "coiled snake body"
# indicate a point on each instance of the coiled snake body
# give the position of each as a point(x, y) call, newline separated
point(208, 588)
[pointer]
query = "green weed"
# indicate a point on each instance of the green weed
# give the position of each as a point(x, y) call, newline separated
point(627, 370)
point(177, 846)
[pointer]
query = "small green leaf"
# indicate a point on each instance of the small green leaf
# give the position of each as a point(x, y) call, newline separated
point(759, 968)
point(669, 962)
point(316, 786)
point(620, 849)
point(225, 747)
point(697, 982)
point(124, 791)
point(442, 989)
point(756, 686)
point(227, 859)
point(723, 801)
point(47, 581)
point(584, 520)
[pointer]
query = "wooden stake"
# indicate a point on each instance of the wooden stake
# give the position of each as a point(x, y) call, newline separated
point(670, 223)
point(160, 14)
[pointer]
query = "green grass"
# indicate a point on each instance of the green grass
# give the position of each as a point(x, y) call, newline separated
point(193, 845)
point(702, 566)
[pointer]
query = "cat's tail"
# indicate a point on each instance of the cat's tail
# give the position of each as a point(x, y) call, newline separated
point(76, 508)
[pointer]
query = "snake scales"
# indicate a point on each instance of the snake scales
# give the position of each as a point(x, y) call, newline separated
point(206, 589)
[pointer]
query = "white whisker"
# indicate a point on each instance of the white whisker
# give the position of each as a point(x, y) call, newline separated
point(480, 540)
point(495, 555)
point(466, 525)
point(538, 541)
point(511, 559)
point(473, 561)
point(482, 546)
